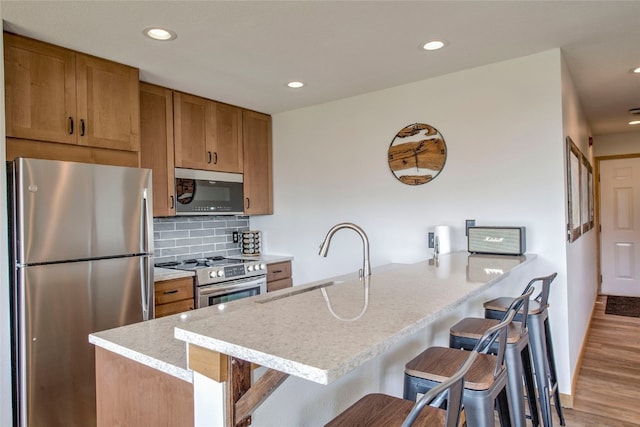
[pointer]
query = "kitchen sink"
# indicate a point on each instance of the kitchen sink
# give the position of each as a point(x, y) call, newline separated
point(299, 291)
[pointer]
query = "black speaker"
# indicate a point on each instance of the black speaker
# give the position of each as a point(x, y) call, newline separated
point(497, 240)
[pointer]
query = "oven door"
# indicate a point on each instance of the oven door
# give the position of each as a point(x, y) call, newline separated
point(219, 293)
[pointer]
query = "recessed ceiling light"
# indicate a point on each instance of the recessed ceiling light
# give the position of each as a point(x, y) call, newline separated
point(295, 85)
point(636, 70)
point(158, 33)
point(433, 45)
point(634, 122)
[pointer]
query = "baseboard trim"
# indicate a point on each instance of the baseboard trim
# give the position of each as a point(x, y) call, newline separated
point(567, 399)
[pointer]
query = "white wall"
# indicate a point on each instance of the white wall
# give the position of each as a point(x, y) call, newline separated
point(504, 133)
point(5, 340)
point(582, 269)
point(616, 144)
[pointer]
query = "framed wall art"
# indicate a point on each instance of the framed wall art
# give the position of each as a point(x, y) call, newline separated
point(586, 194)
point(591, 197)
point(574, 163)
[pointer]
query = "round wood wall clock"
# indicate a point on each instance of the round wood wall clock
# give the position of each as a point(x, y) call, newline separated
point(417, 154)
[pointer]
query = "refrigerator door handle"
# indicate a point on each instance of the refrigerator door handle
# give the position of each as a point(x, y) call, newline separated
point(146, 281)
point(146, 229)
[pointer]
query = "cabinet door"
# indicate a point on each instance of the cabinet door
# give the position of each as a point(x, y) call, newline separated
point(194, 131)
point(40, 90)
point(258, 180)
point(228, 139)
point(108, 104)
point(156, 145)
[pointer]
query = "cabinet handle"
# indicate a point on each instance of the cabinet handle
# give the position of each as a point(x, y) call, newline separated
point(175, 291)
point(172, 203)
point(70, 125)
point(208, 156)
point(248, 203)
point(215, 157)
point(277, 271)
point(81, 127)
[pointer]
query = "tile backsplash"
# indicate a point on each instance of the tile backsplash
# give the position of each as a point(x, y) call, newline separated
point(187, 237)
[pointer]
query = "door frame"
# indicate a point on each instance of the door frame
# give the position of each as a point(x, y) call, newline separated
point(598, 227)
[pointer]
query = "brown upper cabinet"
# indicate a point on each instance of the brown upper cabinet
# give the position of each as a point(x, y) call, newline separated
point(191, 130)
point(156, 145)
point(258, 178)
point(57, 95)
point(208, 134)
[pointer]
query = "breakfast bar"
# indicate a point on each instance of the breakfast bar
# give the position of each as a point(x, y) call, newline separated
point(332, 340)
point(324, 331)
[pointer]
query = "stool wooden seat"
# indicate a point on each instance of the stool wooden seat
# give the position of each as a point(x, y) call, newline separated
point(438, 364)
point(486, 382)
point(500, 305)
point(467, 332)
point(380, 410)
point(386, 411)
point(475, 327)
point(541, 344)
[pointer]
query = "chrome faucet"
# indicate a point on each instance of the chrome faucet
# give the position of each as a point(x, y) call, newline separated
point(324, 247)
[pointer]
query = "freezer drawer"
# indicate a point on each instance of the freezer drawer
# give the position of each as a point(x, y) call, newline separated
point(61, 304)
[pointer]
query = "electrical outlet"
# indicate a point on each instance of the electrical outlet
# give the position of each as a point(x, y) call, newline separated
point(431, 240)
point(235, 237)
point(469, 223)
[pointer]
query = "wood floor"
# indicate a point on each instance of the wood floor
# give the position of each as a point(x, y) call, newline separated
point(608, 385)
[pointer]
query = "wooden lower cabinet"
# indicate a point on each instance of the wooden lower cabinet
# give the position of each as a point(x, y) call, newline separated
point(173, 296)
point(279, 276)
point(131, 394)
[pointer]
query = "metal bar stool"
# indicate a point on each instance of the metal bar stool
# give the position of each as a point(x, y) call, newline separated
point(541, 345)
point(465, 335)
point(381, 410)
point(485, 383)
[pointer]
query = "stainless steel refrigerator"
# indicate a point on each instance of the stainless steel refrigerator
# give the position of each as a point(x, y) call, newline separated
point(82, 257)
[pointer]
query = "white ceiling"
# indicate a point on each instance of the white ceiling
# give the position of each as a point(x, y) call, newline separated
point(244, 52)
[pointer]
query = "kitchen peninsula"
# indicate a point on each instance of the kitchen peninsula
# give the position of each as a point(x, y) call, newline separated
point(336, 339)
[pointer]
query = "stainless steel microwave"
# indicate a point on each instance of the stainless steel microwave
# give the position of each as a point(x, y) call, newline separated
point(201, 192)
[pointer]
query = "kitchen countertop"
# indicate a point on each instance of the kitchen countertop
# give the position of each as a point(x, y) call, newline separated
point(160, 274)
point(301, 334)
point(152, 343)
point(321, 336)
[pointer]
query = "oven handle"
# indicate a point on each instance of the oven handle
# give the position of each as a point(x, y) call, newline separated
point(235, 285)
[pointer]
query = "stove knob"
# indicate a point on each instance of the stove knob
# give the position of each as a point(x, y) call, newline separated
point(220, 273)
point(250, 268)
point(263, 266)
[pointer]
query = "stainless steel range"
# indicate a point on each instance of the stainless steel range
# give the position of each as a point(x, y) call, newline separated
point(220, 280)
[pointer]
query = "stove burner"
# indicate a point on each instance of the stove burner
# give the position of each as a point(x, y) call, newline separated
point(195, 262)
point(168, 264)
point(198, 262)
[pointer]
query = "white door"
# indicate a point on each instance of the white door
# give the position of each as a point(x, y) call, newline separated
point(620, 222)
